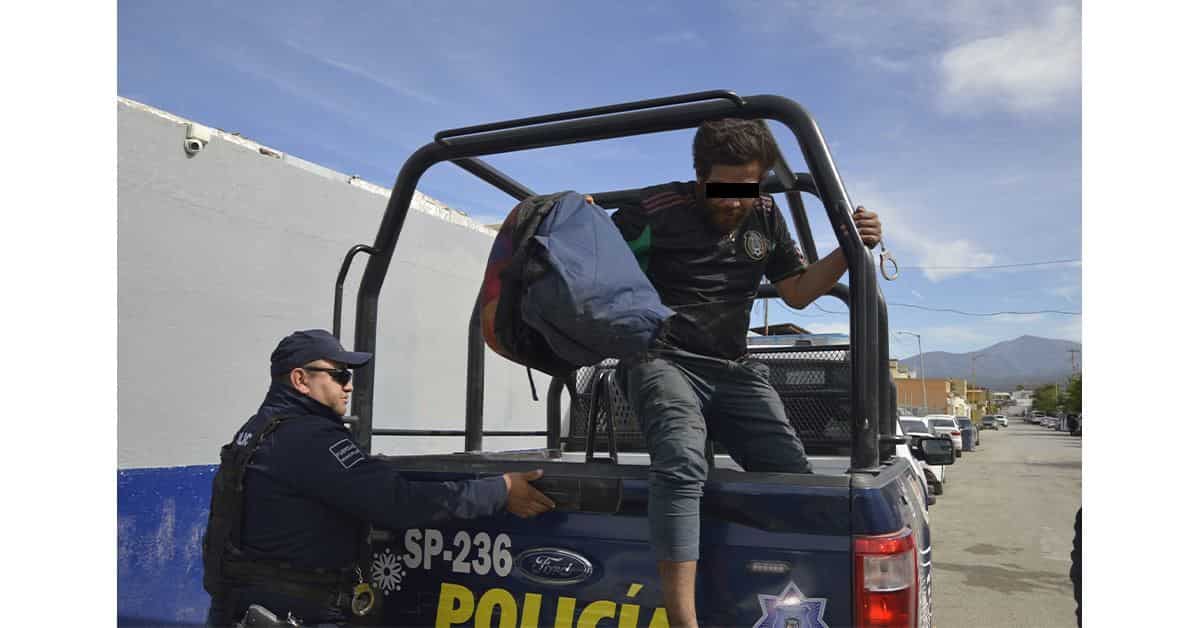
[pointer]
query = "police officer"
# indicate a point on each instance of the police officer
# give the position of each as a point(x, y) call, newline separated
point(293, 494)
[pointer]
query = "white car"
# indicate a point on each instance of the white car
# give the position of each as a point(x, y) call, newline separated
point(1002, 420)
point(945, 424)
point(935, 475)
point(918, 466)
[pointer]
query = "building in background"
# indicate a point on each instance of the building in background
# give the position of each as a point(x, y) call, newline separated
point(899, 371)
point(912, 392)
point(959, 407)
point(977, 399)
point(220, 254)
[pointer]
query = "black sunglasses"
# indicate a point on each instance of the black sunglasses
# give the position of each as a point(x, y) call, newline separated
point(341, 376)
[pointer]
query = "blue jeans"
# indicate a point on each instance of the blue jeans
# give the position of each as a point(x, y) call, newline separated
point(680, 399)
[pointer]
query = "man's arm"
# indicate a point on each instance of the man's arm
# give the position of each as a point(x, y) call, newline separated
point(327, 465)
point(816, 280)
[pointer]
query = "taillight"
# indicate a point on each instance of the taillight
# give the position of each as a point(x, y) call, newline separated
point(956, 433)
point(885, 580)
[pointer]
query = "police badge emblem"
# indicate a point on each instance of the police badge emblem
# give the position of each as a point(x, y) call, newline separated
point(791, 609)
point(755, 244)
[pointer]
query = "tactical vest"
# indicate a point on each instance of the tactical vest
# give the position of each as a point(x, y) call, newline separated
point(226, 565)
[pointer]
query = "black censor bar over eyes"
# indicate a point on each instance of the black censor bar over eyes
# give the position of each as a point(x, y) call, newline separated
point(731, 190)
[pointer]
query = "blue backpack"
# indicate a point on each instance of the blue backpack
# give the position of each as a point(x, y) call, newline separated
point(562, 289)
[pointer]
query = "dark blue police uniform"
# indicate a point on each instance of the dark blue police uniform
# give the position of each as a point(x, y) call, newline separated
point(308, 489)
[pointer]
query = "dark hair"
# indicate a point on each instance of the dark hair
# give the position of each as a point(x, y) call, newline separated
point(732, 142)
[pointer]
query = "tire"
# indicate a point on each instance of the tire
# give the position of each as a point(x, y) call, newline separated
point(1077, 566)
point(958, 453)
point(937, 488)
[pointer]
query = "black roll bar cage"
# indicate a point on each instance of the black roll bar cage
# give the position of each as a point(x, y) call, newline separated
point(870, 398)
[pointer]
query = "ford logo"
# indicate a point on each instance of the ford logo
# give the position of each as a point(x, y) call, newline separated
point(548, 565)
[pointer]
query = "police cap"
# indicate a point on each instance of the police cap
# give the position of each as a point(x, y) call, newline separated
point(302, 347)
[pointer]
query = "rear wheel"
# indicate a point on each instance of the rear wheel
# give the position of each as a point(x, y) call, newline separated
point(935, 486)
point(1077, 566)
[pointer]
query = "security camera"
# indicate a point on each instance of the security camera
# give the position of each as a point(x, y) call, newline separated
point(196, 138)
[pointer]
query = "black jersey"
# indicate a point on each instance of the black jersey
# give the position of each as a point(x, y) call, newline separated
point(709, 279)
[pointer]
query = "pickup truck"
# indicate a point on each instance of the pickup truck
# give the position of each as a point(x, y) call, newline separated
point(848, 545)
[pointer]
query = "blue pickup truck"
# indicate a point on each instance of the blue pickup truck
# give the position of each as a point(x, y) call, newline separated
point(849, 545)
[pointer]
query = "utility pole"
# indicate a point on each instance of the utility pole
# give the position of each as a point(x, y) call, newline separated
point(972, 382)
point(924, 390)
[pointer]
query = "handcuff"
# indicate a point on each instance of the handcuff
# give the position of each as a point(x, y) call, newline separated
point(884, 258)
point(363, 598)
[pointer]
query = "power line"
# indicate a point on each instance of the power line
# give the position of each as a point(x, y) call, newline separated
point(1005, 313)
point(996, 266)
point(952, 311)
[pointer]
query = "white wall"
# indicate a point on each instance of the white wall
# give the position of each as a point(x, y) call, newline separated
point(222, 254)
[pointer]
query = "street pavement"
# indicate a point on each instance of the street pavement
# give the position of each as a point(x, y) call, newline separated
point(1002, 531)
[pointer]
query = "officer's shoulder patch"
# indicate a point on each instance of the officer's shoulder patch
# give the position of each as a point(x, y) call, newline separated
point(346, 453)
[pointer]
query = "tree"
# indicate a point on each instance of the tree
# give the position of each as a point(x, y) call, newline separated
point(1074, 396)
point(1045, 398)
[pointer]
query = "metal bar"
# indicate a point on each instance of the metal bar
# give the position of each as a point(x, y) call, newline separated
point(863, 307)
point(839, 291)
point(554, 413)
point(490, 174)
point(440, 136)
point(593, 417)
point(341, 279)
point(887, 388)
point(475, 365)
point(784, 175)
point(611, 430)
point(391, 432)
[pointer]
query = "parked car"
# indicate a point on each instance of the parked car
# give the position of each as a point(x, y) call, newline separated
point(989, 423)
point(1036, 417)
point(945, 424)
point(1001, 419)
point(918, 467)
point(970, 432)
point(1049, 422)
point(935, 475)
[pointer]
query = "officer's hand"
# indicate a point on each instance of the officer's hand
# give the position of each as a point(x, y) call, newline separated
point(523, 499)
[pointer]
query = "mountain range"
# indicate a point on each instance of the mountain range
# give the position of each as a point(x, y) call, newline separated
point(1028, 360)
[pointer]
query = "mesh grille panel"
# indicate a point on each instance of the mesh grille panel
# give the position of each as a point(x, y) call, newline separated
point(813, 385)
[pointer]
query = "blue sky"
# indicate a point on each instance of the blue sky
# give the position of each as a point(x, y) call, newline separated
point(958, 121)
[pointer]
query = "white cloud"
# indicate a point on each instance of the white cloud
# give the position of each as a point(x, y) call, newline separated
point(1027, 69)
point(931, 246)
point(388, 83)
point(1009, 55)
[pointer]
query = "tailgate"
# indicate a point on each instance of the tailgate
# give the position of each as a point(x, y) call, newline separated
point(774, 547)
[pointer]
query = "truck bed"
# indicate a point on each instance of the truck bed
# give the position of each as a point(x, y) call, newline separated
point(765, 536)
